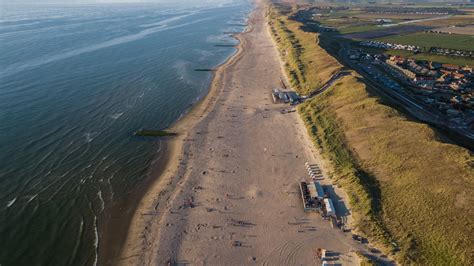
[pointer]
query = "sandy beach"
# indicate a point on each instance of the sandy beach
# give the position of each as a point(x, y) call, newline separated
point(229, 193)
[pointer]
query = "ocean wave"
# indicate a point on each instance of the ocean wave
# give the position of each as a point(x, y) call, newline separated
point(112, 194)
point(78, 237)
point(11, 202)
point(90, 136)
point(96, 241)
point(19, 25)
point(22, 66)
point(31, 197)
point(203, 54)
point(45, 29)
point(217, 39)
point(101, 200)
point(182, 69)
point(166, 21)
point(106, 167)
point(116, 116)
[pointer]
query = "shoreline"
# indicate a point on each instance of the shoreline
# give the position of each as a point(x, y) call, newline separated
point(225, 167)
point(235, 170)
point(165, 179)
point(118, 216)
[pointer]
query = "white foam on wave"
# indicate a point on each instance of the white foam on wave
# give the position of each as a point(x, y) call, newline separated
point(90, 136)
point(203, 54)
point(182, 69)
point(217, 39)
point(105, 168)
point(166, 21)
point(31, 197)
point(81, 227)
point(96, 241)
point(101, 200)
point(116, 116)
point(110, 187)
point(11, 202)
point(79, 236)
point(19, 25)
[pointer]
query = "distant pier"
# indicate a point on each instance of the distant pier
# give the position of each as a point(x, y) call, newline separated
point(204, 69)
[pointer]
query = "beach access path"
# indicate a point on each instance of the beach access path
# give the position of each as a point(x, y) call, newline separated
point(232, 197)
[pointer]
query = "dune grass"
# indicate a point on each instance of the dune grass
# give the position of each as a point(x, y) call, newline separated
point(357, 28)
point(299, 50)
point(409, 191)
point(405, 186)
point(364, 260)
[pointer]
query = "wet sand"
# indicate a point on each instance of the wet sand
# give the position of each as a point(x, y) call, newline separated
point(229, 194)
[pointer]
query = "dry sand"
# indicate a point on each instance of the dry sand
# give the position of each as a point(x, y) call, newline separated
point(238, 161)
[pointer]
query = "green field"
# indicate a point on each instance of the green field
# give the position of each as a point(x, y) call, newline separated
point(345, 23)
point(356, 29)
point(428, 40)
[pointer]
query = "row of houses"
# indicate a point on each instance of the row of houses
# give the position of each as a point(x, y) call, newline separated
point(448, 87)
point(426, 70)
point(450, 84)
point(398, 70)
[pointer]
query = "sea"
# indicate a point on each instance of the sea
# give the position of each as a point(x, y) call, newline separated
point(76, 82)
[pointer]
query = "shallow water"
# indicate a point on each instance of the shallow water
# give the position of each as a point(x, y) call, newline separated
point(75, 83)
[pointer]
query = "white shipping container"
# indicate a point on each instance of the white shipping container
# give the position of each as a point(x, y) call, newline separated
point(330, 211)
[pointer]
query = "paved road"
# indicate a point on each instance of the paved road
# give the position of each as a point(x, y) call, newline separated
point(415, 21)
point(328, 84)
